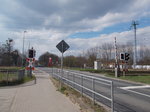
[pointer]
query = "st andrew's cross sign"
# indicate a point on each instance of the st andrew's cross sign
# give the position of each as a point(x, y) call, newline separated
point(62, 46)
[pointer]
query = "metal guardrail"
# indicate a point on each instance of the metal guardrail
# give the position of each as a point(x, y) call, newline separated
point(69, 77)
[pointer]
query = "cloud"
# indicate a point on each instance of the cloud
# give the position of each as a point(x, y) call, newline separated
point(80, 44)
point(70, 15)
point(44, 41)
point(49, 21)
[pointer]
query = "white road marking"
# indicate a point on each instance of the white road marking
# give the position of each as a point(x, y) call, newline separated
point(135, 87)
point(139, 93)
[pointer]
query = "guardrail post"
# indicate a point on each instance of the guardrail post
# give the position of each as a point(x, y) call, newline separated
point(82, 85)
point(57, 71)
point(68, 76)
point(112, 97)
point(52, 71)
point(73, 80)
point(61, 73)
point(18, 74)
point(93, 88)
point(58, 75)
point(35, 80)
point(1, 75)
point(7, 77)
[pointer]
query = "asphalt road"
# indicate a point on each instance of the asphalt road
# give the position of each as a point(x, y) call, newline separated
point(128, 97)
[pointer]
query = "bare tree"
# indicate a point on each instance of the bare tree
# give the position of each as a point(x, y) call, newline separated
point(144, 56)
point(9, 56)
point(91, 56)
point(106, 51)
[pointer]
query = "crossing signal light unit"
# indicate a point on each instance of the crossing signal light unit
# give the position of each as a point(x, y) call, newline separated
point(127, 56)
point(124, 56)
point(31, 53)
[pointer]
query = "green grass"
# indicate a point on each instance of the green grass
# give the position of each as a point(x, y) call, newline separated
point(27, 79)
point(11, 68)
point(134, 78)
point(94, 71)
point(12, 73)
point(62, 90)
point(143, 79)
point(132, 75)
point(11, 76)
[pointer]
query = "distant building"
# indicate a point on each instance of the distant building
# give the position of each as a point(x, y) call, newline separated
point(97, 65)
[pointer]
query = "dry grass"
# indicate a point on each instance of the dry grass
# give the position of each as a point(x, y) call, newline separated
point(86, 105)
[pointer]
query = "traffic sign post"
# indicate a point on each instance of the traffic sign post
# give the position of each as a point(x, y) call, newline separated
point(62, 46)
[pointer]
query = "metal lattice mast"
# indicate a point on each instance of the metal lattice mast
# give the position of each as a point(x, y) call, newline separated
point(134, 24)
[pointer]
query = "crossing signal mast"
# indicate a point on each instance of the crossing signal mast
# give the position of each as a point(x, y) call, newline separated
point(124, 57)
point(30, 60)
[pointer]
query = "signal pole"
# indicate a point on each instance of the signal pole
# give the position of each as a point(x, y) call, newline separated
point(116, 60)
point(134, 24)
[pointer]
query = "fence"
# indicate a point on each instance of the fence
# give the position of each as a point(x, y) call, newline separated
point(10, 76)
point(87, 85)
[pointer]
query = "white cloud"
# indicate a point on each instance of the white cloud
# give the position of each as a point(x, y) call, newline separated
point(53, 20)
point(48, 22)
point(78, 45)
point(70, 15)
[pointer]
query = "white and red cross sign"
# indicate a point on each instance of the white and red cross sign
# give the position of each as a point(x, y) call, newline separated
point(30, 66)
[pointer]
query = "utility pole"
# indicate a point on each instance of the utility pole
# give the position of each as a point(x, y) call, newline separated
point(23, 48)
point(134, 24)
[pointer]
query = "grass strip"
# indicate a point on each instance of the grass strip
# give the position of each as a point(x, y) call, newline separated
point(142, 79)
point(131, 75)
point(11, 68)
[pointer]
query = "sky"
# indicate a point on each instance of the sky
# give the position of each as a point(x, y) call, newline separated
point(83, 24)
